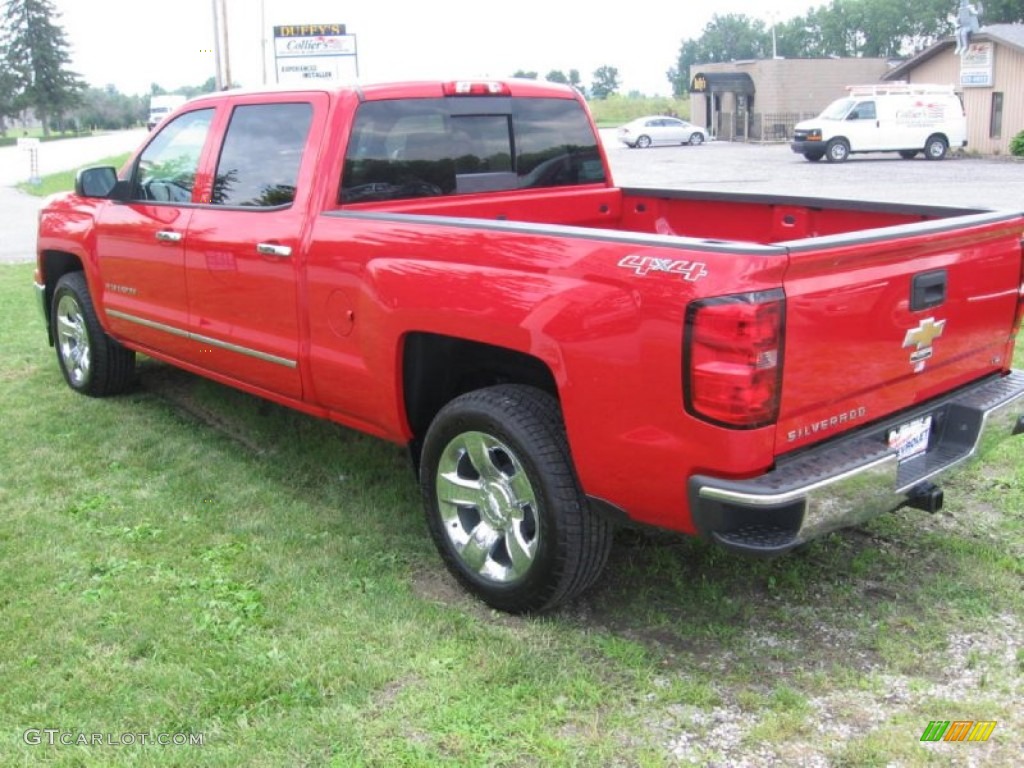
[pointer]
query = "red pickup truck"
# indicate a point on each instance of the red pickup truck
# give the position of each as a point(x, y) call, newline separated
point(450, 267)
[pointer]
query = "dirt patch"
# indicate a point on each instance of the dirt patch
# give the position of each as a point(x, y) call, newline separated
point(180, 389)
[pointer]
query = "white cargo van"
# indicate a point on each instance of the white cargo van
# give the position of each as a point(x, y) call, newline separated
point(162, 106)
point(885, 118)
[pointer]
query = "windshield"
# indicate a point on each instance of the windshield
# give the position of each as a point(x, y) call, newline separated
point(838, 109)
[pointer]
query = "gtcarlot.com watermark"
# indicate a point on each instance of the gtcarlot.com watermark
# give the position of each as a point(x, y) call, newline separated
point(56, 737)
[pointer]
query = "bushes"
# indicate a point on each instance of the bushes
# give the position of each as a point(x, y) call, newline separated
point(1017, 145)
point(616, 109)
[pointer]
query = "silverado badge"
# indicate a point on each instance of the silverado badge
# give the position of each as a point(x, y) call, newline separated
point(921, 339)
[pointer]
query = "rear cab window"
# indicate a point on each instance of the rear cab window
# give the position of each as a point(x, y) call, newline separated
point(430, 147)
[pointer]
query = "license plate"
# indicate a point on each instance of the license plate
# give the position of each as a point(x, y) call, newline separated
point(911, 439)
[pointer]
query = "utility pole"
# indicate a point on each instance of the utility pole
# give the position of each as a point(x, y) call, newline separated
point(221, 54)
point(263, 37)
point(227, 54)
point(218, 78)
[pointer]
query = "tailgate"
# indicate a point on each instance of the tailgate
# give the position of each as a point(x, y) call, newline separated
point(886, 319)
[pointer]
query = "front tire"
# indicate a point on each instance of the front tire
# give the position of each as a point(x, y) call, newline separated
point(92, 362)
point(813, 157)
point(908, 154)
point(837, 151)
point(696, 139)
point(503, 504)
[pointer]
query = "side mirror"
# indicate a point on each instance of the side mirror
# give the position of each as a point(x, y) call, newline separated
point(95, 182)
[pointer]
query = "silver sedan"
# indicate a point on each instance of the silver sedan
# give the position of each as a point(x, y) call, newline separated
point(658, 129)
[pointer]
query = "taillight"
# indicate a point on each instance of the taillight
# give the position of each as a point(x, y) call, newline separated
point(476, 88)
point(732, 359)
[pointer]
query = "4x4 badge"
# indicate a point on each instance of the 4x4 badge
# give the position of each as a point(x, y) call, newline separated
point(921, 338)
point(642, 265)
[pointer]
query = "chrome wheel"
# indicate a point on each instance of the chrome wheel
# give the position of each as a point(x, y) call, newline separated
point(502, 501)
point(643, 142)
point(92, 363)
point(73, 340)
point(488, 507)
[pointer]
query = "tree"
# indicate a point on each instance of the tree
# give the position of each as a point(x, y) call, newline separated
point(191, 91)
point(725, 38)
point(1003, 12)
point(557, 76)
point(847, 28)
point(524, 74)
point(36, 58)
point(9, 90)
point(605, 83)
point(108, 109)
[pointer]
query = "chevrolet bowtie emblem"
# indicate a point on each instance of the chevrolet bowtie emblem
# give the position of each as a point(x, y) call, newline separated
point(926, 332)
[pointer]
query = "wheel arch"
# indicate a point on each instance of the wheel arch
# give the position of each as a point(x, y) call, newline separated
point(437, 368)
point(53, 265)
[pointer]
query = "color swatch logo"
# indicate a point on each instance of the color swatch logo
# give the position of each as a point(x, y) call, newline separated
point(958, 730)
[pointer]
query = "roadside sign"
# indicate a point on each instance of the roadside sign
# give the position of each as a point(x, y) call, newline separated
point(307, 54)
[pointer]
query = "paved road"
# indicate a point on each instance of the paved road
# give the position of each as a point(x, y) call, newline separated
point(18, 210)
point(716, 166)
point(65, 154)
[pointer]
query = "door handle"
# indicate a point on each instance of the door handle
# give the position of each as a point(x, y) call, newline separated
point(270, 249)
point(167, 236)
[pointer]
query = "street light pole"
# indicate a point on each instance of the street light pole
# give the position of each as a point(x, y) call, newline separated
point(774, 16)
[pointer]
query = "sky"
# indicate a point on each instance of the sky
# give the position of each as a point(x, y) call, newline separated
point(134, 43)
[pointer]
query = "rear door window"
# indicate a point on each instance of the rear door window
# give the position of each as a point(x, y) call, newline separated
point(259, 161)
point(411, 148)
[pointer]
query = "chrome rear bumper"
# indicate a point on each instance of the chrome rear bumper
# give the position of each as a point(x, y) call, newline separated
point(854, 478)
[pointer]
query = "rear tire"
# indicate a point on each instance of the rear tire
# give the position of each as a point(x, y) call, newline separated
point(696, 139)
point(503, 503)
point(92, 362)
point(837, 151)
point(935, 148)
point(643, 142)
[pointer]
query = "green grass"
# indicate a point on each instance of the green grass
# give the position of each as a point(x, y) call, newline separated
point(65, 180)
point(188, 559)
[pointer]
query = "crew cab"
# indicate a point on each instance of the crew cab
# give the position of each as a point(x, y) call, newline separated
point(450, 267)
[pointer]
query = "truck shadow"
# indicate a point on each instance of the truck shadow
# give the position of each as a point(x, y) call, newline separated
point(858, 601)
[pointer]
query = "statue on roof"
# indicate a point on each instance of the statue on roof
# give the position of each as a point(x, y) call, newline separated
point(966, 24)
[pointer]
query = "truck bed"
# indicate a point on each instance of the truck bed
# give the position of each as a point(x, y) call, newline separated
point(761, 219)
